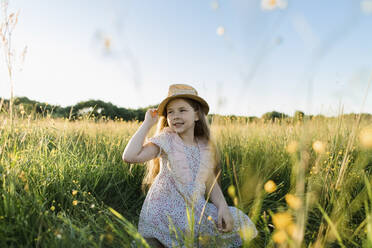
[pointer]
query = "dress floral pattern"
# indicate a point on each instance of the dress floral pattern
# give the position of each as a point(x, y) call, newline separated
point(179, 187)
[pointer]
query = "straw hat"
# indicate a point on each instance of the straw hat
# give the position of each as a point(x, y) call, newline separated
point(185, 91)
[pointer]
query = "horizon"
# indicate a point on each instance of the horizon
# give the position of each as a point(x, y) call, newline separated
point(210, 113)
point(243, 58)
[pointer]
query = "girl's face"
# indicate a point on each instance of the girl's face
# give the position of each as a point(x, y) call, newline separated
point(181, 116)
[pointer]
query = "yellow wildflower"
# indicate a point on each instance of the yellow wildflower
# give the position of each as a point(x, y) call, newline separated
point(270, 186)
point(231, 191)
point(279, 236)
point(236, 201)
point(293, 201)
point(22, 176)
point(282, 220)
point(292, 230)
point(319, 147)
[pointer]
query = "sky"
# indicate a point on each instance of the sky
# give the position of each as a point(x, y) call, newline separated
point(243, 57)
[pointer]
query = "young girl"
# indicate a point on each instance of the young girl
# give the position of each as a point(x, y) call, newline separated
point(182, 176)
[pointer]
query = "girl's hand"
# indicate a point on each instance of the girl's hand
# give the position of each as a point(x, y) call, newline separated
point(225, 220)
point(151, 116)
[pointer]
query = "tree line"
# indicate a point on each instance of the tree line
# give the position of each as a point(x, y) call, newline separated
point(98, 109)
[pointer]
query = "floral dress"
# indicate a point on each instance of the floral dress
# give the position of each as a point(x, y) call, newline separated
point(175, 206)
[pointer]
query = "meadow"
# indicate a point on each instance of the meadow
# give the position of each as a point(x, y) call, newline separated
point(304, 184)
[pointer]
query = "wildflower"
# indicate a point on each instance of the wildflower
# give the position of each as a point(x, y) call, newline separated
point(293, 201)
point(210, 218)
point(236, 201)
point(74, 192)
point(220, 31)
point(52, 208)
point(270, 186)
point(319, 147)
point(74, 202)
point(279, 236)
point(282, 220)
point(231, 191)
point(292, 230)
point(365, 138)
point(22, 176)
point(92, 205)
point(292, 147)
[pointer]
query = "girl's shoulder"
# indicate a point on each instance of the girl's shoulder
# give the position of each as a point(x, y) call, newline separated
point(166, 133)
point(163, 133)
point(163, 139)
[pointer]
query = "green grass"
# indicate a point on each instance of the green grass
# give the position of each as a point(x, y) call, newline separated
point(64, 183)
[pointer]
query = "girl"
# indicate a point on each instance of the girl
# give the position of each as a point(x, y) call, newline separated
point(183, 171)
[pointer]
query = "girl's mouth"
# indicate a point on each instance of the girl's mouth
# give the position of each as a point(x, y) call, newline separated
point(178, 124)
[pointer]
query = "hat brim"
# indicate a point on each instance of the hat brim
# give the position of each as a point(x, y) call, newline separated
point(163, 104)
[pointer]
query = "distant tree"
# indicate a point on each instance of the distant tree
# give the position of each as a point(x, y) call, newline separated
point(273, 116)
point(252, 119)
point(95, 108)
point(100, 108)
point(298, 116)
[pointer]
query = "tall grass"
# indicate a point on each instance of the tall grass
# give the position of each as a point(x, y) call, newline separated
point(64, 183)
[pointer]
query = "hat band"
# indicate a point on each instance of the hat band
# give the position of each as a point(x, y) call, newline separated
point(183, 91)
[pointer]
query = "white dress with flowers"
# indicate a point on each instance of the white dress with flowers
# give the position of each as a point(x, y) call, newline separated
point(180, 185)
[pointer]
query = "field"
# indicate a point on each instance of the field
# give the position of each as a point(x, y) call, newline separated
point(306, 184)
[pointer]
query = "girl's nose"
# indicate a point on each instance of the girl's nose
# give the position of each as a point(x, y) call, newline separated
point(175, 115)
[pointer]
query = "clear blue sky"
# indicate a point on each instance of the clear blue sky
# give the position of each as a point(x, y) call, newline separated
point(313, 56)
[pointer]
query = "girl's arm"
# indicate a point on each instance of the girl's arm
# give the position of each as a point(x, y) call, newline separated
point(225, 221)
point(135, 151)
point(216, 195)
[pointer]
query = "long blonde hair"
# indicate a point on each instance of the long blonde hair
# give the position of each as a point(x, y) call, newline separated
point(201, 130)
